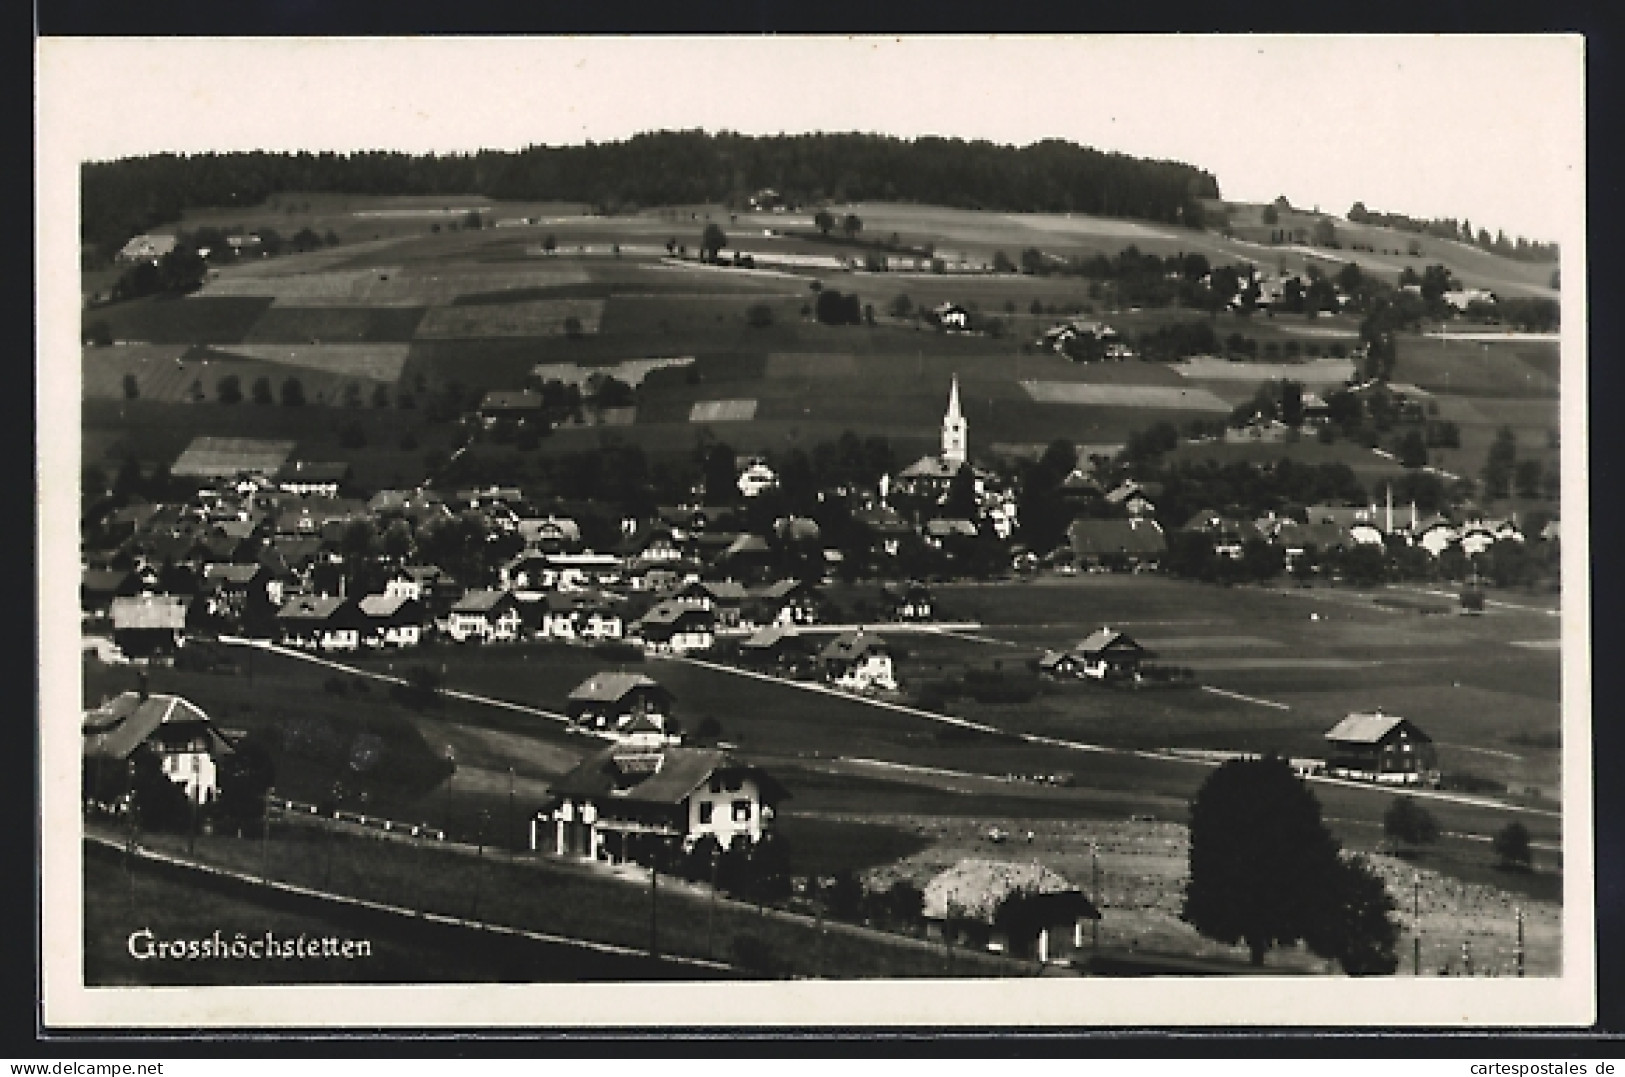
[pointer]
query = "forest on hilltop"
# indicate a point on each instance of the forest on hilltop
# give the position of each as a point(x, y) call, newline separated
point(126, 197)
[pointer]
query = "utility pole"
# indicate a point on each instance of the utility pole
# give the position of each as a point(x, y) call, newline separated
point(1416, 924)
point(1094, 895)
point(265, 838)
point(508, 829)
point(711, 909)
point(479, 865)
point(129, 841)
point(654, 904)
point(1519, 952)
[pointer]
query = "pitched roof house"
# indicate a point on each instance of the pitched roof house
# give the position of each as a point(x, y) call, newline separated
point(620, 799)
point(1380, 747)
point(859, 660)
point(177, 731)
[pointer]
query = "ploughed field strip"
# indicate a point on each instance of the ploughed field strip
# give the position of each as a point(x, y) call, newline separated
point(382, 285)
point(1315, 372)
point(722, 411)
point(289, 324)
point(1125, 396)
point(375, 362)
point(527, 318)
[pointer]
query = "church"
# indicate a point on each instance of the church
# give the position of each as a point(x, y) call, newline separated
point(931, 476)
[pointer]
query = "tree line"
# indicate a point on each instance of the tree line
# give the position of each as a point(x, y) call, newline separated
point(1520, 249)
point(125, 197)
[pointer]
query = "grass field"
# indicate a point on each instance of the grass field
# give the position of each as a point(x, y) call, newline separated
point(533, 317)
point(288, 324)
point(190, 320)
point(175, 905)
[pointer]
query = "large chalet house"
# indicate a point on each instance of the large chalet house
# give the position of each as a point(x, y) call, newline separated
point(1382, 748)
point(485, 616)
point(321, 622)
point(778, 648)
point(620, 802)
point(392, 621)
point(1108, 654)
point(148, 626)
point(188, 746)
point(674, 627)
point(859, 661)
point(582, 615)
point(744, 607)
point(627, 705)
point(1117, 545)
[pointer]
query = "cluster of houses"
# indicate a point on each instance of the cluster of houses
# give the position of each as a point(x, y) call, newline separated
point(1344, 527)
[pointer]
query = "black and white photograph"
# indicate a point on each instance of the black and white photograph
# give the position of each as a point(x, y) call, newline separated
point(1050, 531)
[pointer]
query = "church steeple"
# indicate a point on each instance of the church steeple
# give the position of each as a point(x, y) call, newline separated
point(955, 431)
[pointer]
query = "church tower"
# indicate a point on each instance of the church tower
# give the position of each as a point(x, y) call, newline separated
point(955, 431)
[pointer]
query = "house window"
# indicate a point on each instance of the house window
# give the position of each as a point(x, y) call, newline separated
point(705, 812)
point(741, 811)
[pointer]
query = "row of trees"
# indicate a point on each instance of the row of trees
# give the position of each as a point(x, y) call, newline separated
point(1521, 249)
point(125, 197)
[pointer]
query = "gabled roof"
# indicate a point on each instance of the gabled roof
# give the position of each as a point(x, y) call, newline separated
point(1099, 537)
point(609, 687)
point(975, 888)
point(104, 579)
point(311, 608)
point(673, 774)
point(1374, 728)
point(148, 611)
point(481, 601)
point(884, 520)
point(380, 606)
point(1102, 639)
point(851, 646)
point(231, 573)
point(672, 614)
point(124, 723)
point(770, 637)
point(747, 543)
point(932, 467)
point(510, 400)
point(943, 527)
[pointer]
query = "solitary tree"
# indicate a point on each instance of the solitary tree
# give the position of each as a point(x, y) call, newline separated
point(229, 389)
point(1261, 860)
point(1408, 822)
point(131, 388)
point(293, 393)
point(851, 224)
point(825, 220)
point(1512, 846)
point(712, 241)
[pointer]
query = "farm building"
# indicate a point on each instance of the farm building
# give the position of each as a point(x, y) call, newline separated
point(952, 317)
point(1007, 906)
point(327, 623)
point(860, 661)
point(1109, 655)
point(1117, 544)
point(146, 626)
point(230, 458)
point(183, 738)
point(672, 627)
point(392, 621)
point(1380, 747)
point(1136, 498)
point(146, 248)
point(620, 799)
point(613, 702)
point(486, 616)
point(1258, 430)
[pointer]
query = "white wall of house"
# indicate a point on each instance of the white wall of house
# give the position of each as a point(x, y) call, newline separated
point(195, 771)
point(725, 815)
point(339, 639)
point(873, 670)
